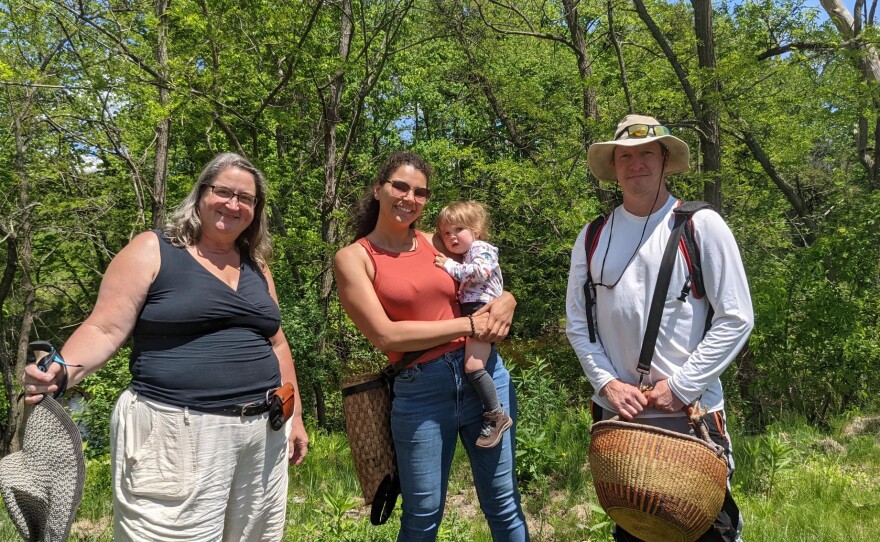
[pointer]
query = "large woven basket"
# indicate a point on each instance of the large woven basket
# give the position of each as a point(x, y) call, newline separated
point(367, 405)
point(657, 484)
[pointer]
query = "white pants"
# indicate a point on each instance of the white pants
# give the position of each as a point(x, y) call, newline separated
point(179, 474)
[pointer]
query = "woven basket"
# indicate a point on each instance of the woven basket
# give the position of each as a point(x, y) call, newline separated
point(368, 424)
point(657, 484)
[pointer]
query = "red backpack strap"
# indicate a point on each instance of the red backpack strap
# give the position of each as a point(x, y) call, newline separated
point(591, 240)
point(691, 251)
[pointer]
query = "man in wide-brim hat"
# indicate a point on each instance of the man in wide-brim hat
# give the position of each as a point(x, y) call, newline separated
point(623, 266)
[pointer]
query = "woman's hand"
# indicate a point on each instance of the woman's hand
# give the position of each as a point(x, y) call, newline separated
point(299, 442)
point(36, 383)
point(500, 315)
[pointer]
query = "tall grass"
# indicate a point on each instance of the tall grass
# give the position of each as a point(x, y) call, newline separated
point(793, 483)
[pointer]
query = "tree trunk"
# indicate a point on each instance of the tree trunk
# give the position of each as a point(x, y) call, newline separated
point(703, 110)
point(868, 62)
point(382, 36)
point(710, 134)
point(160, 164)
point(589, 102)
point(588, 94)
point(330, 199)
point(28, 313)
point(7, 358)
point(21, 243)
point(612, 35)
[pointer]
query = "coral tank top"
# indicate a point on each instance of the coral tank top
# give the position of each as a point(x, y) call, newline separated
point(410, 287)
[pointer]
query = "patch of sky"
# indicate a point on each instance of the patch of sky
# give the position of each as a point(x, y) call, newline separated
point(406, 126)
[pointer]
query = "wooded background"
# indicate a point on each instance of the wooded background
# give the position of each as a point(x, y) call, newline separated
point(111, 108)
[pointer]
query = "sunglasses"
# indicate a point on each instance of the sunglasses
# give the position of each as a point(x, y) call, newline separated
point(642, 130)
point(401, 188)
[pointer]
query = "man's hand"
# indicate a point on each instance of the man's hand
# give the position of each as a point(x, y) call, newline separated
point(625, 399)
point(662, 398)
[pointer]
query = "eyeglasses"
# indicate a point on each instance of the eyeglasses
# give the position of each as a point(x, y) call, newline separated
point(248, 200)
point(642, 130)
point(401, 188)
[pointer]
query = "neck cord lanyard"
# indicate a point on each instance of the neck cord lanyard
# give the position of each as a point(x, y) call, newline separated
point(638, 245)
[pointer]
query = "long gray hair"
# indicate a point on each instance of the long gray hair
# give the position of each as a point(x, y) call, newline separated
point(184, 227)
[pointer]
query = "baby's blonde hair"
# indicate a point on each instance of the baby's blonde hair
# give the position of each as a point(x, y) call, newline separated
point(466, 214)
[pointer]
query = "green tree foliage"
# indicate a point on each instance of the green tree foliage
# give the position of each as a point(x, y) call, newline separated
point(492, 92)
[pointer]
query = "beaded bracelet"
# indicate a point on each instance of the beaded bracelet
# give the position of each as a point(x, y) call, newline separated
point(473, 329)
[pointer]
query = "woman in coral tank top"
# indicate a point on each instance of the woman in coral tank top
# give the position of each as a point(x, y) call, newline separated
point(401, 302)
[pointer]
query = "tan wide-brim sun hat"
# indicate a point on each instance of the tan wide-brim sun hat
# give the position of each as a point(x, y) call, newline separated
point(42, 484)
point(600, 156)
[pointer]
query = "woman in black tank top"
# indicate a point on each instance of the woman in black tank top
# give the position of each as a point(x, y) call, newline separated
point(192, 450)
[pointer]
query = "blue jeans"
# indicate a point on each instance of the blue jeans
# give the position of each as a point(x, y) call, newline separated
point(434, 405)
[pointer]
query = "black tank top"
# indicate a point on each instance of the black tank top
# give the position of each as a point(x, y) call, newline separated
point(199, 343)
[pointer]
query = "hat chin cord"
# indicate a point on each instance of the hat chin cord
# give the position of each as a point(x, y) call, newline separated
point(641, 237)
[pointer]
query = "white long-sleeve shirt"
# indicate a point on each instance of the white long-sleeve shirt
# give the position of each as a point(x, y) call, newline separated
point(692, 363)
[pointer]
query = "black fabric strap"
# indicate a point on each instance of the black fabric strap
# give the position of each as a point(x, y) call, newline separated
point(363, 386)
point(689, 208)
point(407, 358)
point(693, 251)
point(661, 289)
point(388, 374)
point(62, 383)
point(683, 214)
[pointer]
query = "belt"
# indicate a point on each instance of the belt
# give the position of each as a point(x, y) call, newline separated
point(250, 409)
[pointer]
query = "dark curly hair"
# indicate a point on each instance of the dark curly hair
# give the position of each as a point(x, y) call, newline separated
point(367, 212)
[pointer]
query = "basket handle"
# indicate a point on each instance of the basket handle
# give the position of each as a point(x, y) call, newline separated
point(695, 420)
point(695, 415)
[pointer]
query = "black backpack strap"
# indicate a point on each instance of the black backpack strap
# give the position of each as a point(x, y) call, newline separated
point(682, 234)
point(591, 239)
point(659, 298)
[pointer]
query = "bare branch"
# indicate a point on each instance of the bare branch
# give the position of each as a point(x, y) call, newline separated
point(229, 133)
point(612, 36)
point(670, 56)
point(42, 85)
point(290, 68)
point(795, 46)
point(514, 134)
point(120, 44)
point(761, 157)
point(530, 33)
